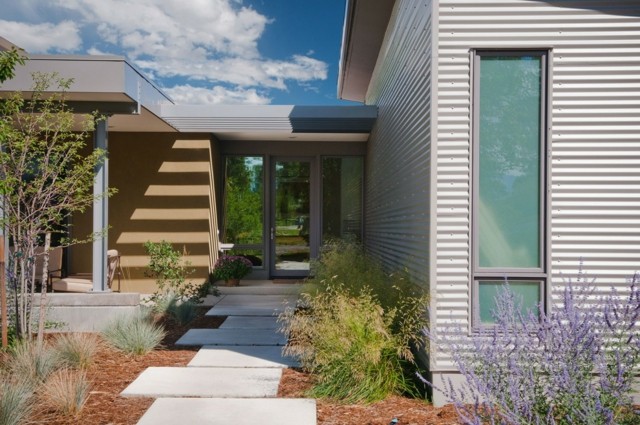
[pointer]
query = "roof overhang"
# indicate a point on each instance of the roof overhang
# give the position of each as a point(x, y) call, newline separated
point(274, 122)
point(107, 84)
point(365, 24)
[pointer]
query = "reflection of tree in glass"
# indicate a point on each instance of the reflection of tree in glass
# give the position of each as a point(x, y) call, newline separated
point(243, 200)
point(292, 195)
point(509, 129)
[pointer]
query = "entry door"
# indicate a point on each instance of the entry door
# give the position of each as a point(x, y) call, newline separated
point(293, 216)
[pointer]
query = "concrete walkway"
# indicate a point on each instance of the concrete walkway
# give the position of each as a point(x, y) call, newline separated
point(234, 377)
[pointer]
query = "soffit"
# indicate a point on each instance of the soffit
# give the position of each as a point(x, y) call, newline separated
point(364, 28)
point(274, 122)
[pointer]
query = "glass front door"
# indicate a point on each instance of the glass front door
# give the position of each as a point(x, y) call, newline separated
point(293, 217)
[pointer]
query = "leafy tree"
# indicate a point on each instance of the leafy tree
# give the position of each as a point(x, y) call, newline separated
point(46, 177)
point(243, 201)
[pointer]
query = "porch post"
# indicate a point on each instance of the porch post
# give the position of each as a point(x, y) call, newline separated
point(100, 210)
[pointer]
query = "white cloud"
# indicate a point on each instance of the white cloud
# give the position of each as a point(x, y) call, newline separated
point(212, 40)
point(190, 95)
point(41, 38)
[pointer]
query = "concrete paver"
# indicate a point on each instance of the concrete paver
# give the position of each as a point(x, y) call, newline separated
point(234, 377)
point(241, 356)
point(250, 322)
point(160, 382)
point(279, 411)
point(252, 305)
point(232, 337)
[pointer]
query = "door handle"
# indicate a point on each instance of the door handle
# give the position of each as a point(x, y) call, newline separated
point(272, 233)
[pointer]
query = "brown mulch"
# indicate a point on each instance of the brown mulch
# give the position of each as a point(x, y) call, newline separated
point(407, 411)
point(113, 371)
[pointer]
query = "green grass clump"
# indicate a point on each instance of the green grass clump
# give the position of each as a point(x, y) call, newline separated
point(16, 401)
point(134, 334)
point(66, 391)
point(182, 311)
point(357, 327)
point(77, 350)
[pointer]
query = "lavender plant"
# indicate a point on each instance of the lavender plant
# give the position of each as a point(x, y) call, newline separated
point(574, 365)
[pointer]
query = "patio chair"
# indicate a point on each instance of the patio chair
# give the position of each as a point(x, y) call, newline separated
point(83, 282)
point(54, 268)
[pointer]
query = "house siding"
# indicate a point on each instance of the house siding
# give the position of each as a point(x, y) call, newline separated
point(593, 140)
point(165, 187)
point(398, 155)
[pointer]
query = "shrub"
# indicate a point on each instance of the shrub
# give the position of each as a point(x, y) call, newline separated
point(33, 362)
point(171, 272)
point(232, 267)
point(135, 334)
point(181, 311)
point(77, 350)
point(573, 365)
point(66, 391)
point(16, 401)
point(358, 346)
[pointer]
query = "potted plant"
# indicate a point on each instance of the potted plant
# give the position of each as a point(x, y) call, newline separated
point(232, 268)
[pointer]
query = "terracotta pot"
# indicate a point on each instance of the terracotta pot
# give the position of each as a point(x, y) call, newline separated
point(232, 282)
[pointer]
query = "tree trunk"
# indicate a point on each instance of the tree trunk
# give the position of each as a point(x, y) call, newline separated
point(3, 298)
point(43, 291)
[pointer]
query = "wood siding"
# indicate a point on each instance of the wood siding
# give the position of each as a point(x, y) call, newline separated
point(398, 157)
point(594, 138)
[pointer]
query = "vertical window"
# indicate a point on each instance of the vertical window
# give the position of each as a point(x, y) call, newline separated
point(243, 207)
point(342, 182)
point(509, 177)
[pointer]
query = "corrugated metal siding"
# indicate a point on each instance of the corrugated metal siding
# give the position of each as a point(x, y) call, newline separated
point(398, 157)
point(594, 140)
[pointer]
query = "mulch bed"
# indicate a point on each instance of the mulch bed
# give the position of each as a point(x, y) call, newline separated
point(113, 371)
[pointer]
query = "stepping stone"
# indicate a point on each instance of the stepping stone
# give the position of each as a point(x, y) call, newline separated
point(252, 305)
point(278, 411)
point(232, 337)
point(250, 322)
point(160, 382)
point(241, 356)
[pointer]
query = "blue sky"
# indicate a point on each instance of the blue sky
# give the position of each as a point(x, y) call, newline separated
point(198, 51)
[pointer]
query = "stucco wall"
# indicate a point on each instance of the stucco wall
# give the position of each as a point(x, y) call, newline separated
point(164, 186)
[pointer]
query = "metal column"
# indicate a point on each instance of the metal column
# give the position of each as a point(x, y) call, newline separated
point(100, 210)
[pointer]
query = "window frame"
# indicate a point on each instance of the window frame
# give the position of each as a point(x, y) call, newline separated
point(479, 274)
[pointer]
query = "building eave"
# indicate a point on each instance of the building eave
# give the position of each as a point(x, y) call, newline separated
point(365, 24)
point(107, 84)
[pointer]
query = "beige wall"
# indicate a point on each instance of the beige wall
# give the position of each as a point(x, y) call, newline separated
point(164, 183)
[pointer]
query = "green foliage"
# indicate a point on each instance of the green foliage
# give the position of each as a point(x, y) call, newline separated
point(170, 271)
point(243, 201)
point(46, 177)
point(134, 334)
point(77, 350)
point(345, 263)
point(16, 401)
point(182, 311)
point(356, 338)
point(66, 391)
point(8, 61)
point(232, 267)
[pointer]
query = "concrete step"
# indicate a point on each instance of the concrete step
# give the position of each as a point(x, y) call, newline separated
point(279, 411)
point(158, 382)
point(231, 337)
point(261, 287)
point(252, 305)
point(241, 356)
point(250, 322)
